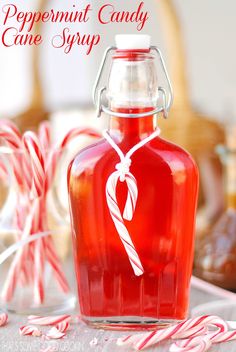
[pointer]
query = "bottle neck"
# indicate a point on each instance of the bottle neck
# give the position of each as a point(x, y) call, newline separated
point(132, 128)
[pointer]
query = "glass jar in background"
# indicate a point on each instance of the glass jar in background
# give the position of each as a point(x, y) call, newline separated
point(35, 277)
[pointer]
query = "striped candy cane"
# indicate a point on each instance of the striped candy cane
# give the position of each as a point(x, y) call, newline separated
point(123, 174)
point(186, 329)
point(45, 135)
point(34, 149)
point(29, 330)
point(202, 345)
point(57, 151)
point(11, 135)
point(50, 320)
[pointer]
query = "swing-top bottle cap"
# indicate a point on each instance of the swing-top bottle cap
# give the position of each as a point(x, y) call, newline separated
point(133, 41)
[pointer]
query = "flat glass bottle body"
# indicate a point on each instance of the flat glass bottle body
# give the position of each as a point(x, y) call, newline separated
point(162, 230)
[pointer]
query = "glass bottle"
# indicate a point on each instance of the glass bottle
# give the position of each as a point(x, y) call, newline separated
point(215, 260)
point(162, 228)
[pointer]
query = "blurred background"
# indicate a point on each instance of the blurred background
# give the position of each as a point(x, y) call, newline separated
point(196, 38)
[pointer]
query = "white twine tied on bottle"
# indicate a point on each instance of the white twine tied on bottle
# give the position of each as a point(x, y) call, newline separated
point(123, 174)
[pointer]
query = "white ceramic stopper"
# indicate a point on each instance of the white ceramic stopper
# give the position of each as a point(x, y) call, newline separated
point(133, 41)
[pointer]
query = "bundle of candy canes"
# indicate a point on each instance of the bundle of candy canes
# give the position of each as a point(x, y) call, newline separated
point(34, 160)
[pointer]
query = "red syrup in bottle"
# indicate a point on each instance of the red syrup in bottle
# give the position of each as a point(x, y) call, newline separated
point(162, 228)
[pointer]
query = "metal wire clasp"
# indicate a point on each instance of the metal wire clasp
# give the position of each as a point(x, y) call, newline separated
point(167, 96)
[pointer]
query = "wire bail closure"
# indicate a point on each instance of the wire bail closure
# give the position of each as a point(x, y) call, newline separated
point(98, 93)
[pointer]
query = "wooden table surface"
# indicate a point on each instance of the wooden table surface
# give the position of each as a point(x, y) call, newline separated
point(80, 338)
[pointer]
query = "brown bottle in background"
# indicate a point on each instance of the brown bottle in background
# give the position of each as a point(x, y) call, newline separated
point(215, 260)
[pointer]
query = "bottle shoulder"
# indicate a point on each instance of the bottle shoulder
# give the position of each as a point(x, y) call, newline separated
point(160, 150)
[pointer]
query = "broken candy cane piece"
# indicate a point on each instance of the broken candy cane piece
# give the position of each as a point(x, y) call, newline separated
point(3, 319)
point(29, 330)
point(54, 333)
point(63, 326)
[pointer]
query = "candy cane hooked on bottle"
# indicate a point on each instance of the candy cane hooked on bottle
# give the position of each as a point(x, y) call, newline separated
point(128, 212)
point(123, 174)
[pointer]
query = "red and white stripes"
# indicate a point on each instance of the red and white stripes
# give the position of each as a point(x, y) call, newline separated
point(128, 213)
point(193, 335)
point(34, 161)
point(29, 330)
point(122, 174)
point(50, 320)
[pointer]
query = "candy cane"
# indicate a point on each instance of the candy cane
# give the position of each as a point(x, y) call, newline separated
point(123, 174)
point(39, 261)
point(202, 345)
point(50, 320)
point(117, 217)
point(12, 137)
point(63, 326)
point(33, 147)
point(45, 135)
point(57, 151)
point(29, 330)
point(55, 263)
point(151, 338)
point(16, 265)
point(75, 132)
point(3, 319)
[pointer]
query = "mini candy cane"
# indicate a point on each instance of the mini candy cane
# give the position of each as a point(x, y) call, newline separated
point(151, 338)
point(29, 330)
point(3, 319)
point(50, 320)
point(123, 174)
